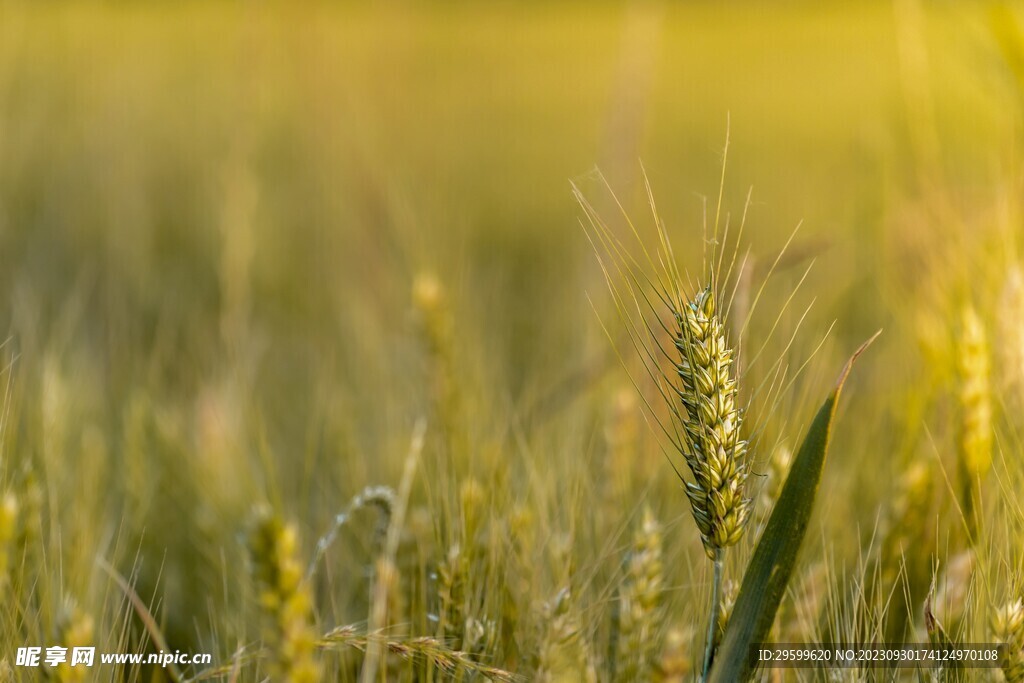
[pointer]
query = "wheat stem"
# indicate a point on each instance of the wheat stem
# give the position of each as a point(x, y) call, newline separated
point(716, 605)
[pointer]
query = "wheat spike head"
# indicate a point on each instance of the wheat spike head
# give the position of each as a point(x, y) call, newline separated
point(640, 601)
point(1008, 628)
point(974, 369)
point(712, 447)
point(665, 324)
point(285, 599)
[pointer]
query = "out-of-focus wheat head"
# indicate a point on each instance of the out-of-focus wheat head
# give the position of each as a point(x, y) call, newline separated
point(437, 334)
point(457, 618)
point(565, 655)
point(711, 421)
point(452, 576)
point(730, 589)
point(74, 630)
point(909, 519)
point(285, 599)
point(975, 406)
point(953, 589)
point(675, 663)
point(775, 476)
point(1010, 340)
point(621, 464)
point(904, 570)
point(8, 533)
point(473, 503)
point(640, 602)
point(1008, 628)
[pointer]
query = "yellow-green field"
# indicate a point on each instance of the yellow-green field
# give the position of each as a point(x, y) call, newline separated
point(258, 257)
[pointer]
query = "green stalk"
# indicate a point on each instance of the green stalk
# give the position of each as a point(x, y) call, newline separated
point(716, 606)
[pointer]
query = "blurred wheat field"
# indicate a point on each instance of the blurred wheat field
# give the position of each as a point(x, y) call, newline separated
point(259, 257)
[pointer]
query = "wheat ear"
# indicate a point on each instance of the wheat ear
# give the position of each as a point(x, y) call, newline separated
point(285, 599)
point(1008, 628)
point(715, 453)
point(712, 447)
point(975, 401)
point(639, 621)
